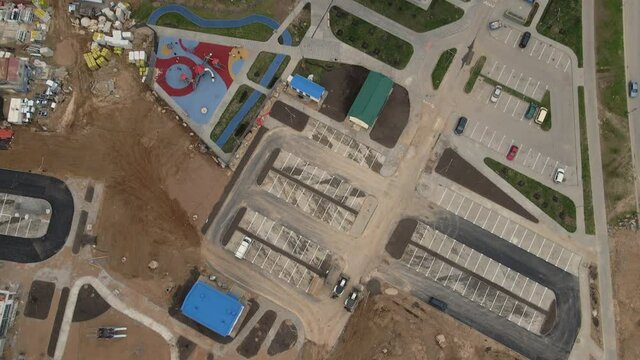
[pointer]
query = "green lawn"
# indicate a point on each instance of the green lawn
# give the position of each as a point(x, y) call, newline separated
point(261, 64)
point(546, 100)
point(143, 10)
point(559, 207)
point(475, 72)
point(317, 68)
point(439, 13)
point(255, 31)
point(587, 196)
point(370, 39)
point(442, 66)
point(610, 56)
point(238, 99)
point(225, 9)
point(562, 21)
point(299, 27)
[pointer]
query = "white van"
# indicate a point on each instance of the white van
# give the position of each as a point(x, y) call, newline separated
point(542, 114)
point(244, 246)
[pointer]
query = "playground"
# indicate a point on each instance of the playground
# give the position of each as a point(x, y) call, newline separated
point(197, 75)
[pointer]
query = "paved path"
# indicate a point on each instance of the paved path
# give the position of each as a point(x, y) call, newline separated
point(597, 182)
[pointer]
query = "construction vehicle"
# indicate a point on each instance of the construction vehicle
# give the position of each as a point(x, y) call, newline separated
point(110, 332)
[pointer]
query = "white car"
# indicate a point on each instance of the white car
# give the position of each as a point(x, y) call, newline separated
point(495, 95)
point(558, 176)
point(244, 246)
point(495, 25)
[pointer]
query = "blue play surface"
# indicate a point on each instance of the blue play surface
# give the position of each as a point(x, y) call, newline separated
point(212, 89)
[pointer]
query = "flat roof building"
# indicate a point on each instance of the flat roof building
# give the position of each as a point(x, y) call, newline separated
point(370, 100)
point(217, 311)
point(306, 87)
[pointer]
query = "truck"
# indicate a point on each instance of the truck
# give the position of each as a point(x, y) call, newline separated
point(6, 138)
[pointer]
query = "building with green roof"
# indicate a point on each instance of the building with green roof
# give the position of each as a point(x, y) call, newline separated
point(370, 100)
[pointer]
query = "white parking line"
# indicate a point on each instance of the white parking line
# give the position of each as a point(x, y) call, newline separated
point(505, 107)
point(509, 79)
point(534, 48)
point(515, 108)
point(560, 58)
point(518, 82)
point(500, 76)
point(490, 141)
point(515, 41)
point(550, 56)
point(566, 67)
point(474, 130)
point(507, 39)
point(542, 52)
point(493, 67)
point(535, 162)
point(536, 89)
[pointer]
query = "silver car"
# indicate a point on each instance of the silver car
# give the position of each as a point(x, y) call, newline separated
point(495, 95)
point(558, 176)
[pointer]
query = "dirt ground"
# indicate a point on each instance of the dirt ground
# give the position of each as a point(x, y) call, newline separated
point(343, 84)
point(140, 343)
point(393, 118)
point(398, 327)
point(155, 181)
point(624, 258)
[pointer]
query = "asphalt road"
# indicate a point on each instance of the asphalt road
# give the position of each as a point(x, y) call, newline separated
point(58, 195)
point(631, 15)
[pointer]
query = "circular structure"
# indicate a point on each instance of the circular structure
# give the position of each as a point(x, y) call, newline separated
point(204, 110)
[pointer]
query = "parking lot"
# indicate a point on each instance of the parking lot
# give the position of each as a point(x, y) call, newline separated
point(312, 190)
point(23, 216)
point(279, 251)
point(507, 229)
point(346, 146)
point(515, 79)
point(546, 53)
point(541, 165)
point(478, 278)
point(507, 104)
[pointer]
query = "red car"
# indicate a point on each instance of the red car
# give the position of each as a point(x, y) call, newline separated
point(513, 151)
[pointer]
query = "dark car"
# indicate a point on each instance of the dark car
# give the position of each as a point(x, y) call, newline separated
point(340, 285)
point(633, 89)
point(438, 304)
point(524, 40)
point(462, 122)
point(531, 111)
point(353, 300)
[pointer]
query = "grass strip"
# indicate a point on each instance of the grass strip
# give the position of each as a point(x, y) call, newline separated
point(475, 72)
point(370, 39)
point(610, 56)
point(261, 64)
point(238, 99)
point(442, 66)
point(299, 27)
point(562, 22)
point(439, 13)
point(317, 68)
point(558, 206)
point(587, 196)
point(255, 31)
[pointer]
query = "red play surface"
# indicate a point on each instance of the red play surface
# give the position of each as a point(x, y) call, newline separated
point(218, 61)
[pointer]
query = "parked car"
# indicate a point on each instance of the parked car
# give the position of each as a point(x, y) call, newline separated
point(340, 285)
point(513, 151)
point(558, 176)
point(633, 89)
point(531, 111)
point(495, 95)
point(438, 304)
point(462, 123)
point(244, 246)
point(352, 300)
point(542, 114)
point(495, 25)
point(524, 40)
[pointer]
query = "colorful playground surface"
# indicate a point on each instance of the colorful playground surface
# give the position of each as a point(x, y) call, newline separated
point(197, 75)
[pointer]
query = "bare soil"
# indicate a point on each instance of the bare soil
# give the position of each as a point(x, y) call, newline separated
point(343, 84)
point(252, 342)
point(624, 258)
point(401, 327)
point(393, 118)
point(39, 299)
point(140, 343)
point(155, 182)
point(289, 116)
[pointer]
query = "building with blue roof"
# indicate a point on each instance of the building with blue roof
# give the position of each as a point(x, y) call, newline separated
point(306, 87)
point(217, 311)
